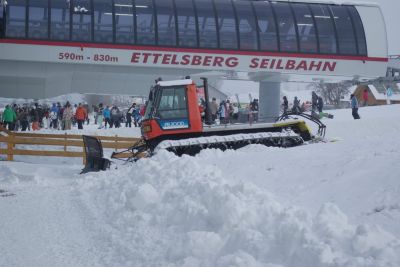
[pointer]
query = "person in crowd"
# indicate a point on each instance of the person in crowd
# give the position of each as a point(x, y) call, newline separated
point(46, 119)
point(129, 115)
point(202, 112)
point(354, 107)
point(136, 116)
point(222, 112)
point(320, 104)
point(60, 125)
point(54, 116)
point(296, 105)
point(95, 109)
point(80, 116)
point(40, 113)
point(202, 108)
point(230, 110)
point(142, 109)
point(87, 118)
point(314, 101)
point(17, 123)
point(74, 111)
point(254, 109)
point(107, 117)
point(23, 118)
point(115, 117)
point(35, 118)
point(285, 104)
point(365, 97)
point(9, 118)
point(214, 109)
point(99, 115)
point(68, 114)
point(236, 111)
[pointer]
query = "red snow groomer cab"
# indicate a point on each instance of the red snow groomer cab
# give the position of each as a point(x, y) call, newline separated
point(173, 122)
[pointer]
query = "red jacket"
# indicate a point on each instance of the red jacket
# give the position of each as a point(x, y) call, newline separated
point(80, 113)
point(365, 95)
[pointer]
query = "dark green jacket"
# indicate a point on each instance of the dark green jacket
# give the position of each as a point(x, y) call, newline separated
point(9, 115)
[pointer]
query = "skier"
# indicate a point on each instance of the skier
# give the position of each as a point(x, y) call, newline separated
point(129, 115)
point(80, 116)
point(314, 101)
point(320, 104)
point(222, 112)
point(67, 117)
point(296, 105)
point(54, 116)
point(9, 117)
point(285, 104)
point(99, 115)
point(365, 97)
point(107, 117)
point(354, 107)
point(214, 109)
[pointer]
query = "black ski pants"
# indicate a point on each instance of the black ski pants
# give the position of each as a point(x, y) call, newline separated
point(354, 112)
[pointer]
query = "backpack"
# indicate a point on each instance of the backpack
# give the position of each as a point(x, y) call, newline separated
point(53, 115)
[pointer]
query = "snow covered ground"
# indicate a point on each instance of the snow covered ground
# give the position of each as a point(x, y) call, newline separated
point(327, 204)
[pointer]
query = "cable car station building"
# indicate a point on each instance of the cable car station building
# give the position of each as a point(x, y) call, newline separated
point(54, 47)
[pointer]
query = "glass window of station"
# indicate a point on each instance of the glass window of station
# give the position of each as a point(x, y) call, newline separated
point(60, 20)
point(208, 36)
point(359, 30)
point(286, 27)
point(247, 24)
point(226, 24)
point(124, 21)
point(145, 22)
point(266, 23)
point(16, 18)
point(326, 29)
point(274, 26)
point(38, 19)
point(1, 21)
point(103, 21)
point(187, 24)
point(345, 31)
point(81, 20)
point(306, 28)
point(166, 30)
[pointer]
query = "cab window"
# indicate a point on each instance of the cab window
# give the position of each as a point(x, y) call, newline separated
point(173, 104)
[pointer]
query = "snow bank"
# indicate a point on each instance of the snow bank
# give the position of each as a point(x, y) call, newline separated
point(170, 211)
point(319, 205)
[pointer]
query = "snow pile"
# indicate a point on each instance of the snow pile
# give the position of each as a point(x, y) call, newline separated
point(170, 211)
point(318, 205)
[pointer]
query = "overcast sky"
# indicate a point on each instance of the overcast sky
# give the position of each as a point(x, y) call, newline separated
point(391, 12)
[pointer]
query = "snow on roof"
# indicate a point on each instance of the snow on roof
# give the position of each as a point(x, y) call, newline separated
point(175, 82)
point(381, 96)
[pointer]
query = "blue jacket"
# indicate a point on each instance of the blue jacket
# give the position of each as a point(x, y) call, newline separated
point(54, 108)
point(107, 113)
point(354, 102)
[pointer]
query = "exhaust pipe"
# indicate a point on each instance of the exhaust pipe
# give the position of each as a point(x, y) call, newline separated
point(207, 119)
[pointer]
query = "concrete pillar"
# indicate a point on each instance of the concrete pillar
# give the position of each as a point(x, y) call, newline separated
point(269, 102)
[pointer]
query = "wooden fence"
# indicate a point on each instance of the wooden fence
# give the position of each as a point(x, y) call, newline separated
point(12, 139)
